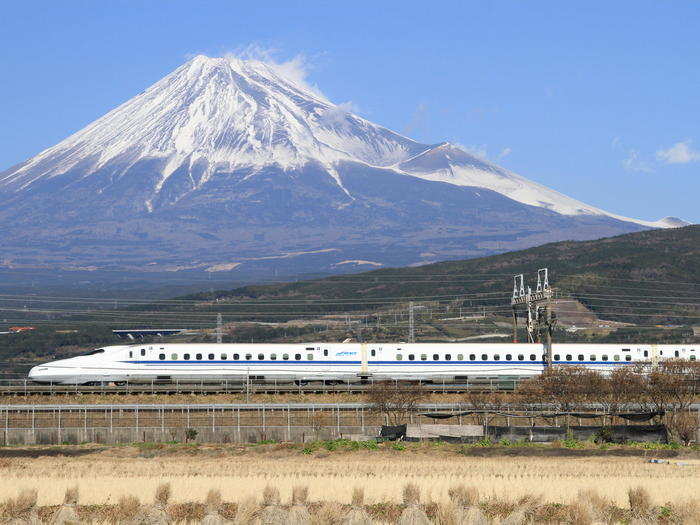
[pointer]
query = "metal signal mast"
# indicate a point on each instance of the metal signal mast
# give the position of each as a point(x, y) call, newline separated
point(540, 315)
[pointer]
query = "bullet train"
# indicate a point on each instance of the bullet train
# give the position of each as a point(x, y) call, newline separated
point(336, 362)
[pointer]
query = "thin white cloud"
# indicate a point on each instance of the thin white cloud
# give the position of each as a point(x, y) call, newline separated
point(634, 163)
point(295, 69)
point(679, 153)
point(504, 153)
point(337, 115)
point(478, 150)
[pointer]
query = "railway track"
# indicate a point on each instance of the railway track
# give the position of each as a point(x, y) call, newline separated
point(27, 388)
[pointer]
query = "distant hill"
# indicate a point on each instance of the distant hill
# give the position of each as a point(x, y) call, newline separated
point(649, 277)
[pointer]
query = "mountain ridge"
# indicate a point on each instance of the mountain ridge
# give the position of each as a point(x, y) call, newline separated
point(226, 159)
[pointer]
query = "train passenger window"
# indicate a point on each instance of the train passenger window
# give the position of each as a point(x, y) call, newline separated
point(273, 357)
point(580, 357)
point(285, 357)
point(472, 357)
point(521, 357)
point(161, 357)
point(248, 357)
point(186, 357)
point(173, 357)
point(460, 357)
point(131, 354)
point(616, 357)
point(509, 357)
point(199, 357)
point(309, 357)
point(424, 357)
point(556, 357)
point(676, 353)
point(143, 352)
point(533, 357)
point(484, 357)
point(261, 357)
point(235, 357)
point(692, 358)
point(628, 358)
point(592, 357)
point(568, 357)
point(224, 357)
point(604, 358)
point(211, 357)
point(411, 357)
point(496, 357)
point(325, 352)
point(373, 352)
point(448, 357)
point(399, 357)
point(646, 353)
point(436, 357)
point(297, 357)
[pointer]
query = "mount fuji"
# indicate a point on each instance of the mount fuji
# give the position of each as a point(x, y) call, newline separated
point(230, 164)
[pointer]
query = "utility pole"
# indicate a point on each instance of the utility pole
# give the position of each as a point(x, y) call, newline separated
point(218, 328)
point(411, 327)
point(540, 315)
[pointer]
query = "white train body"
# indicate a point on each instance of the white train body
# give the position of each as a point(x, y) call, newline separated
point(304, 362)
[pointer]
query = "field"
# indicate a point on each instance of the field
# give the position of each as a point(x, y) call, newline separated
point(106, 475)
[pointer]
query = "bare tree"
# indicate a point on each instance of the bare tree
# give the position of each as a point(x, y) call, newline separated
point(395, 400)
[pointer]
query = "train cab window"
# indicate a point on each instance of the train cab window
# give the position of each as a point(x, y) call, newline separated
point(616, 357)
point(460, 357)
point(556, 357)
point(297, 357)
point(399, 357)
point(436, 357)
point(580, 357)
point(484, 357)
point(411, 357)
point(199, 357)
point(521, 357)
point(211, 357)
point(509, 357)
point(143, 352)
point(273, 357)
point(628, 358)
point(285, 357)
point(173, 357)
point(131, 354)
point(248, 357)
point(568, 357)
point(592, 357)
point(424, 357)
point(161, 357)
point(261, 357)
point(604, 358)
point(325, 352)
point(224, 357)
point(309, 357)
point(533, 357)
point(448, 357)
point(373, 352)
point(496, 357)
point(472, 357)
point(186, 357)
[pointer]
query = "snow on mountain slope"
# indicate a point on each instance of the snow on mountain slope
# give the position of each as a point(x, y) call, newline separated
point(212, 117)
point(448, 163)
point(225, 112)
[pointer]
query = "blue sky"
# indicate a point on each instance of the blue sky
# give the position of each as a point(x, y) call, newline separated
point(599, 100)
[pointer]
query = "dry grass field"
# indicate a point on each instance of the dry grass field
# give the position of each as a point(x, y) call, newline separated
point(106, 475)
